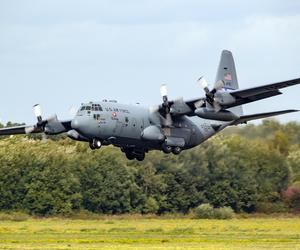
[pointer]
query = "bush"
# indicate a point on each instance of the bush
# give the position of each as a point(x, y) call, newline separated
point(270, 207)
point(206, 211)
point(223, 213)
point(5, 216)
point(19, 216)
point(14, 216)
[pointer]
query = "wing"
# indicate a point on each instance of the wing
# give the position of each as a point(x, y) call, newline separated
point(20, 130)
point(52, 127)
point(240, 97)
point(245, 93)
point(258, 93)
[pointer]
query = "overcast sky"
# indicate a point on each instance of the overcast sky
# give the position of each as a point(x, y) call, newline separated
point(62, 53)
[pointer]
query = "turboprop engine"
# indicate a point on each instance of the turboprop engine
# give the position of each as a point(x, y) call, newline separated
point(153, 133)
point(222, 115)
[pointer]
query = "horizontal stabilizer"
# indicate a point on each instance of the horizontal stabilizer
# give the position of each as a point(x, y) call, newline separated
point(246, 118)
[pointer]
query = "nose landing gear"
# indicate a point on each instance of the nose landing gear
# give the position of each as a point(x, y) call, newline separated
point(176, 150)
point(95, 144)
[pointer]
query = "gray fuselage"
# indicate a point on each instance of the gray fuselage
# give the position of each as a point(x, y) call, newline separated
point(122, 125)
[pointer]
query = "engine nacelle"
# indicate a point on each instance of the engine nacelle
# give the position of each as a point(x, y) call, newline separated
point(153, 133)
point(74, 135)
point(224, 98)
point(54, 126)
point(223, 115)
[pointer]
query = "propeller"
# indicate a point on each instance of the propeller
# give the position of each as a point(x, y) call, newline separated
point(37, 110)
point(166, 107)
point(72, 111)
point(210, 94)
point(41, 125)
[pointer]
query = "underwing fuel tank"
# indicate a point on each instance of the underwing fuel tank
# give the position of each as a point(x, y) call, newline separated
point(222, 115)
point(153, 133)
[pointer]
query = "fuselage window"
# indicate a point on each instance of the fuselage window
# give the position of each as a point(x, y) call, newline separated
point(97, 117)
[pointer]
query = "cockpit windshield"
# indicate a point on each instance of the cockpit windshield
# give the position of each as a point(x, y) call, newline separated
point(94, 107)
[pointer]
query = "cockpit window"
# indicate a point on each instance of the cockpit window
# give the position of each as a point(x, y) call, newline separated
point(96, 107)
point(85, 108)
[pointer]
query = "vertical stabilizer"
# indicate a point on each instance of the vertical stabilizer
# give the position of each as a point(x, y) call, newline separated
point(227, 73)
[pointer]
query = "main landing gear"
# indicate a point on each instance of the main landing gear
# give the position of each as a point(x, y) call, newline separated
point(132, 154)
point(95, 144)
point(168, 149)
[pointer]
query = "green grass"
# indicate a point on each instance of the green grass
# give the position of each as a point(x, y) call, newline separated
point(147, 233)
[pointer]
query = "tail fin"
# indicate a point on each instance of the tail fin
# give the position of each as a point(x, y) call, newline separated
point(227, 73)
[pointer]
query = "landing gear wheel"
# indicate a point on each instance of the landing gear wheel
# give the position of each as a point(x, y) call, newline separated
point(166, 149)
point(130, 156)
point(95, 144)
point(176, 150)
point(140, 157)
point(92, 146)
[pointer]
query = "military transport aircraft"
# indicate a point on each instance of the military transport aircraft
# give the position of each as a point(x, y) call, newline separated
point(172, 126)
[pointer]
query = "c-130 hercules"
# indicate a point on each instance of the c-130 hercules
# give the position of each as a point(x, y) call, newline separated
point(171, 127)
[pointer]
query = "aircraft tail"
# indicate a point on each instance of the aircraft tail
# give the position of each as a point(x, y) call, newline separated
point(227, 73)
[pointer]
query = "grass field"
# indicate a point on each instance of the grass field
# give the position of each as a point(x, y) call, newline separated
point(142, 233)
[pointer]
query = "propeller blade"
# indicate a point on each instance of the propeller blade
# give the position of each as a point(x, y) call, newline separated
point(217, 107)
point(165, 108)
point(44, 138)
point(219, 85)
point(163, 90)
point(72, 111)
point(169, 120)
point(52, 118)
point(37, 110)
point(153, 109)
point(202, 82)
point(29, 130)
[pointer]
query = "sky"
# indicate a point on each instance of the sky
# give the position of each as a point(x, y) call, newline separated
point(61, 53)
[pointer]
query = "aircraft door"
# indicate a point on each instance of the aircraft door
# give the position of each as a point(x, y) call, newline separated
point(117, 131)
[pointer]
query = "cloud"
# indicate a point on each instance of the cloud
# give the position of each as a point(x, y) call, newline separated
point(74, 51)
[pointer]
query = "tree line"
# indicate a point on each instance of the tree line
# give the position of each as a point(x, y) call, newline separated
point(253, 168)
